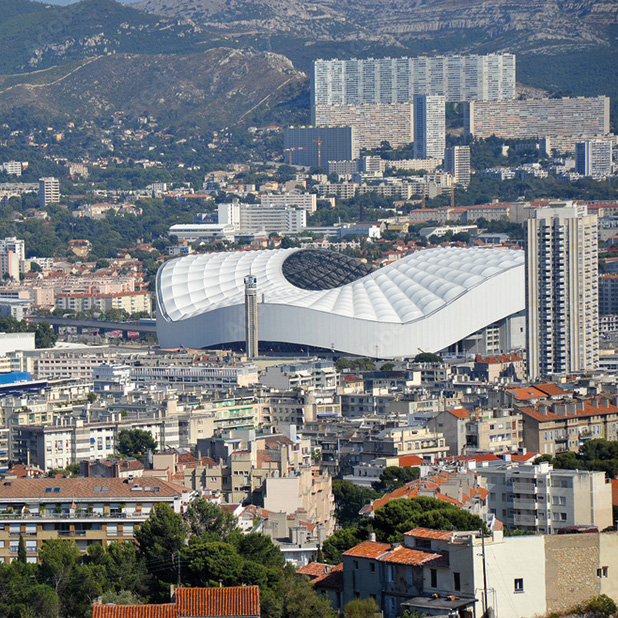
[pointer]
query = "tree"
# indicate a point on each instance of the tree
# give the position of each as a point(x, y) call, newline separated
point(349, 500)
point(427, 357)
point(361, 608)
point(135, 443)
point(340, 541)
point(300, 600)
point(387, 367)
point(58, 558)
point(160, 538)
point(207, 519)
point(394, 477)
point(21, 551)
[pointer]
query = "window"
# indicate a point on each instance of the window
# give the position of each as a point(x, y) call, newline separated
point(434, 578)
point(356, 564)
point(457, 581)
point(519, 585)
point(372, 566)
point(602, 572)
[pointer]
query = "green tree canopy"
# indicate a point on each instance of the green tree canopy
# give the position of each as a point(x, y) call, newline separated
point(394, 477)
point(135, 443)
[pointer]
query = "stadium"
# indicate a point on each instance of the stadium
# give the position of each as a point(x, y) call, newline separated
point(432, 300)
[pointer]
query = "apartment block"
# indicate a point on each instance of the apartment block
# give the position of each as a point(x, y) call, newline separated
point(312, 374)
point(397, 80)
point(86, 510)
point(539, 499)
point(593, 158)
point(374, 122)
point(49, 191)
point(429, 126)
point(291, 199)
point(608, 294)
point(131, 302)
point(562, 291)
point(311, 146)
point(565, 121)
point(255, 217)
point(457, 163)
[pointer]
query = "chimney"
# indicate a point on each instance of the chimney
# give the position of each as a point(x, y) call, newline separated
point(372, 537)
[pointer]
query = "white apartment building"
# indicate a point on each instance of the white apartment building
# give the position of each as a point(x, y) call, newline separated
point(314, 374)
point(293, 199)
point(196, 376)
point(254, 218)
point(131, 302)
point(539, 499)
point(202, 232)
point(49, 191)
point(457, 163)
point(12, 167)
point(593, 158)
point(397, 80)
point(562, 291)
point(429, 126)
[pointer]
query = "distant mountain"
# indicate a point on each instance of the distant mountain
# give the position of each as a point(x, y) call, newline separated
point(211, 89)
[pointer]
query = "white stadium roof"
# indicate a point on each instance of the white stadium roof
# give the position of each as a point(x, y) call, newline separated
point(430, 299)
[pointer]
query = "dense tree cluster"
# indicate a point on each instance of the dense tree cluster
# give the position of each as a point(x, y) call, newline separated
point(44, 336)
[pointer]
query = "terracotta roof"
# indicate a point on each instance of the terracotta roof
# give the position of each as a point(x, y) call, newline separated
point(368, 549)
point(168, 610)
point(528, 392)
point(68, 488)
point(405, 555)
point(427, 533)
point(550, 389)
point(502, 358)
point(411, 460)
point(459, 412)
point(314, 569)
point(583, 409)
point(229, 601)
point(332, 580)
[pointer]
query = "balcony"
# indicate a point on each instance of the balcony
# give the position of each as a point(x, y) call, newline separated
point(524, 488)
point(524, 520)
point(525, 505)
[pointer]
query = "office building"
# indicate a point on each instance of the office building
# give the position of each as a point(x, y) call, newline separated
point(457, 163)
point(311, 146)
point(374, 122)
point(251, 218)
point(49, 191)
point(562, 291)
point(565, 121)
point(397, 80)
point(429, 126)
point(594, 158)
point(251, 317)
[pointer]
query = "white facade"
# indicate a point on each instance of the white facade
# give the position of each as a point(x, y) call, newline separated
point(594, 158)
point(49, 191)
point(429, 126)
point(255, 217)
point(429, 300)
point(397, 80)
point(197, 232)
point(293, 199)
point(457, 163)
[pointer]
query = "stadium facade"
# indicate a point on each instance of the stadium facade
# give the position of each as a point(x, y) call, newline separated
point(431, 300)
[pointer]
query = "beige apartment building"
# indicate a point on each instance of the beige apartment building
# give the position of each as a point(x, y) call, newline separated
point(86, 510)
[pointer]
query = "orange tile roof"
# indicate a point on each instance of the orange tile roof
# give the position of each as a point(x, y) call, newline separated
point(368, 549)
point(459, 412)
point(229, 601)
point(528, 392)
point(427, 533)
point(550, 389)
point(502, 358)
point(314, 569)
point(584, 409)
point(332, 580)
point(167, 610)
point(410, 460)
point(405, 555)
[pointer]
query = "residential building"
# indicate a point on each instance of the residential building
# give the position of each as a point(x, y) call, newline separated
point(12, 167)
point(539, 499)
point(594, 158)
point(374, 122)
point(562, 291)
point(429, 126)
point(214, 377)
point(245, 218)
point(565, 121)
point(291, 199)
point(202, 232)
point(131, 302)
point(397, 80)
point(311, 374)
point(565, 425)
point(86, 510)
point(457, 163)
point(49, 191)
point(608, 294)
point(311, 146)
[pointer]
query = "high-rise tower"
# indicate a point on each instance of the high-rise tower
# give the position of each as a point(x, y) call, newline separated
point(562, 291)
point(49, 191)
point(429, 126)
point(251, 316)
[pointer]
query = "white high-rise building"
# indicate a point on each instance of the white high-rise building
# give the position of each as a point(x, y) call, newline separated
point(593, 157)
point(255, 217)
point(49, 191)
point(397, 80)
point(457, 164)
point(562, 291)
point(429, 126)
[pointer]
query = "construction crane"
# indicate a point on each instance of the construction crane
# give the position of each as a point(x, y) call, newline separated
point(291, 150)
point(319, 143)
